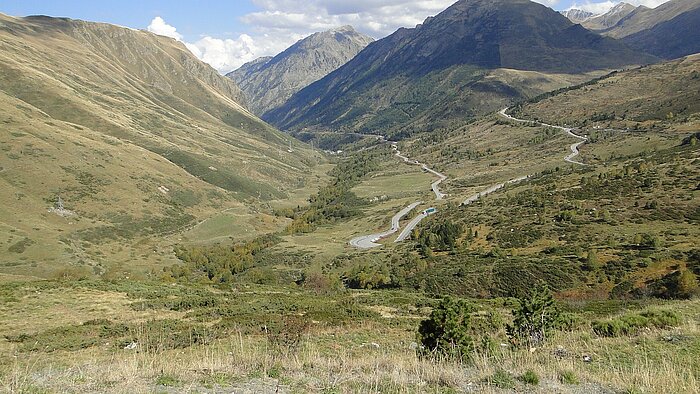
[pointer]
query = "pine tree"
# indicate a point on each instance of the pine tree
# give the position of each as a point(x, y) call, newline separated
point(447, 331)
point(534, 318)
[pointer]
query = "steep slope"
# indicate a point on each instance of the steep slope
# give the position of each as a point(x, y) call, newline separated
point(643, 18)
point(610, 18)
point(449, 53)
point(671, 39)
point(249, 69)
point(269, 83)
point(576, 15)
point(137, 138)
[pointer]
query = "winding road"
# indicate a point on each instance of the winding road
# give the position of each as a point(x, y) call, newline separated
point(574, 147)
point(370, 241)
point(570, 158)
point(411, 225)
point(492, 189)
point(435, 185)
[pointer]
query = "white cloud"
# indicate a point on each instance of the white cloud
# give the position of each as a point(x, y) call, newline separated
point(280, 23)
point(228, 54)
point(158, 26)
point(375, 18)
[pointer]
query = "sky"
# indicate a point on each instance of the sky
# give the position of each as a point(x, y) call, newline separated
point(228, 33)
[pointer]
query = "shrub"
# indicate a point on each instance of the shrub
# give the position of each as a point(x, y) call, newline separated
point(287, 335)
point(662, 319)
point(446, 331)
point(530, 377)
point(612, 328)
point(167, 380)
point(680, 284)
point(320, 283)
point(534, 318)
point(631, 324)
point(502, 380)
point(568, 377)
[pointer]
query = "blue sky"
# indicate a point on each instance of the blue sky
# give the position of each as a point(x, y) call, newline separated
point(228, 33)
point(217, 18)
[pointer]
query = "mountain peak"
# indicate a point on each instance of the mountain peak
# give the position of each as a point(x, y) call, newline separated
point(610, 18)
point(343, 29)
point(269, 82)
point(577, 16)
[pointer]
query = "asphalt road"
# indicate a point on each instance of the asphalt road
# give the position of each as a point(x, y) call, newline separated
point(370, 241)
point(411, 225)
point(492, 189)
point(574, 147)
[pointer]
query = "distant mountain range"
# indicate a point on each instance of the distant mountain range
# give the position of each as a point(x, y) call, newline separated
point(405, 75)
point(610, 18)
point(269, 81)
point(669, 31)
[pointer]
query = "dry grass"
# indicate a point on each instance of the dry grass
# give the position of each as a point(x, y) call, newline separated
point(344, 360)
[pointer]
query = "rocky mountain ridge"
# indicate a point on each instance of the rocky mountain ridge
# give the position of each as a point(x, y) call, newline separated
point(269, 82)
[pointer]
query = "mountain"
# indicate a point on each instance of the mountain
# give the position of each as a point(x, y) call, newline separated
point(576, 15)
point(671, 39)
point(136, 138)
point(449, 59)
point(248, 69)
point(643, 18)
point(269, 82)
point(610, 18)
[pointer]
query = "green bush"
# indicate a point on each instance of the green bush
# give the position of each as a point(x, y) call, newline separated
point(612, 328)
point(679, 284)
point(447, 331)
point(568, 377)
point(631, 324)
point(534, 318)
point(530, 377)
point(502, 380)
point(662, 319)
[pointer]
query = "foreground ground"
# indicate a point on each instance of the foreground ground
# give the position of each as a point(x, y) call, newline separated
point(150, 337)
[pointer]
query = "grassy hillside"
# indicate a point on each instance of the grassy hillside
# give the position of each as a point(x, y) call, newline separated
point(138, 138)
point(670, 39)
point(663, 97)
point(151, 337)
point(643, 18)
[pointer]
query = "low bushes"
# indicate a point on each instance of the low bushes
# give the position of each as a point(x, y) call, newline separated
point(631, 324)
